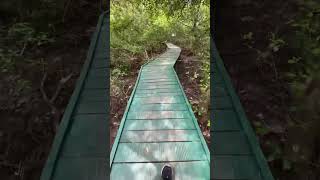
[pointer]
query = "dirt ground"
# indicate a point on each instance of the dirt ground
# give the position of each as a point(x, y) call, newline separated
point(187, 65)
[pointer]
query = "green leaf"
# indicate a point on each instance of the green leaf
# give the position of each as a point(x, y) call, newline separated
point(262, 131)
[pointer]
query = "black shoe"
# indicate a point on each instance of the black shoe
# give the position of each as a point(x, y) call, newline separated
point(167, 172)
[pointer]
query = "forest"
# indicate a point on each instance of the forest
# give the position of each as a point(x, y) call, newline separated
point(270, 48)
point(139, 30)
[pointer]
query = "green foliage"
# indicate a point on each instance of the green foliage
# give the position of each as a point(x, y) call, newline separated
point(19, 38)
point(24, 33)
point(301, 150)
point(276, 43)
point(137, 27)
point(7, 60)
point(140, 27)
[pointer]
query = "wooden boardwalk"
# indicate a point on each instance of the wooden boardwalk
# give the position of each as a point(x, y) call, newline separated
point(159, 127)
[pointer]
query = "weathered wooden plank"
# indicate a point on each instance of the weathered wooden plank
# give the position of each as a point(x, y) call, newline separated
point(234, 167)
point(85, 135)
point(160, 83)
point(162, 69)
point(158, 115)
point(225, 120)
point(217, 79)
point(158, 99)
point(194, 170)
point(158, 94)
point(81, 168)
point(159, 136)
point(146, 91)
point(94, 95)
point(100, 72)
point(155, 87)
point(159, 107)
point(230, 143)
point(100, 63)
point(157, 80)
point(218, 90)
point(222, 103)
point(163, 124)
point(157, 76)
point(92, 108)
point(96, 83)
point(155, 152)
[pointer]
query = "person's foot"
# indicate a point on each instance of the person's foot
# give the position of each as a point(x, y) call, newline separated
point(167, 172)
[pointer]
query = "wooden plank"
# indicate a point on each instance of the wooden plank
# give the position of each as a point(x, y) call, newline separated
point(146, 91)
point(158, 99)
point(158, 115)
point(217, 80)
point(159, 94)
point(222, 103)
point(162, 69)
point(100, 72)
point(156, 152)
point(219, 91)
point(92, 108)
point(97, 83)
point(85, 137)
point(156, 72)
point(230, 143)
point(163, 124)
point(99, 63)
point(157, 76)
point(196, 170)
point(159, 136)
point(160, 63)
point(94, 95)
point(157, 80)
point(155, 87)
point(157, 83)
point(225, 120)
point(234, 167)
point(159, 107)
point(81, 169)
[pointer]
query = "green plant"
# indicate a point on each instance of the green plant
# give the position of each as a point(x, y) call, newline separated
point(24, 34)
point(276, 43)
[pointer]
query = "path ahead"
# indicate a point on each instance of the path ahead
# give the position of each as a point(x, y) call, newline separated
point(159, 127)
